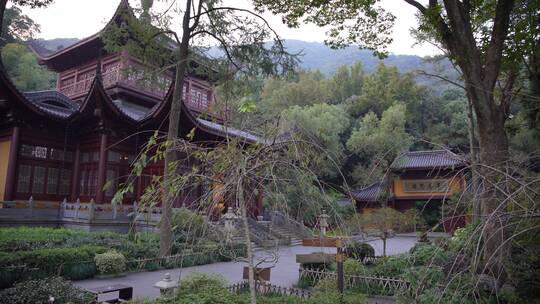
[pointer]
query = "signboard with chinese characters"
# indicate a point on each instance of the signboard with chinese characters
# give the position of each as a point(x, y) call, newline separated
point(426, 185)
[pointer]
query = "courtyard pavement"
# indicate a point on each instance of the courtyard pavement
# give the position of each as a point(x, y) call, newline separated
point(284, 273)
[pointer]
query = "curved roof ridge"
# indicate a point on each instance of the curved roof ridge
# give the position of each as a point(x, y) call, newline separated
point(427, 151)
point(37, 49)
point(428, 159)
point(160, 106)
point(100, 89)
point(51, 95)
point(371, 193)
point(19, 96)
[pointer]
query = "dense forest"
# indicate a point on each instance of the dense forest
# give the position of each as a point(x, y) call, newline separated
point(364, 120)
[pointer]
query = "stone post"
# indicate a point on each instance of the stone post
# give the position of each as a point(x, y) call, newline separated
point(91, 211)
point(63, 205)
point(229, 219)
point(77, 207)
point(166, 287)
point(31, 206)
point(135, 211)
point(323, 222)
point(114, 209)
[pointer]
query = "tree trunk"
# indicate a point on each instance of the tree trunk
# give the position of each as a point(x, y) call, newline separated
point(384, 245)
point(165, 228)
point(251, 267)
point(493, 144)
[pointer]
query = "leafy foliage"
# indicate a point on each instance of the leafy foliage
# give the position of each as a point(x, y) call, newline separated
point(320, 125)
point(40, 291)
point(17, 27)
point(110, 262)
point(359, 251)
point(205, 289)
point(188, 226)
point(23, 69)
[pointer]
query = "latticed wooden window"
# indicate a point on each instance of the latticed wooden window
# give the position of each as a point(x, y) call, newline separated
point(82, 185)
point(52, 180)
point(38, 182)
point(65, 182)
point(23, 182)
point(112, 182)
point(92, 182)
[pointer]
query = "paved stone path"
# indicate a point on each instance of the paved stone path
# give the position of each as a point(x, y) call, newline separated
point(284, 272)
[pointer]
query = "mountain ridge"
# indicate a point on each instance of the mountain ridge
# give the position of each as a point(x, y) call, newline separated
point(318, 56)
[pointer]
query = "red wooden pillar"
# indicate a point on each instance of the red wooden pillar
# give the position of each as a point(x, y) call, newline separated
point(102, 170)
point(12, 164)
point(76, 174)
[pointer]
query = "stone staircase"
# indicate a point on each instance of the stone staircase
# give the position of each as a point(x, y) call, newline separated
point(280, 231)
point(285, 233)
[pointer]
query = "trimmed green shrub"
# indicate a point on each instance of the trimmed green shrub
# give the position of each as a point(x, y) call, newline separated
point(25, 239)
point(110, 262)
point(39, 291)
point(204, 288)
point(359, 251)
point(72, 263)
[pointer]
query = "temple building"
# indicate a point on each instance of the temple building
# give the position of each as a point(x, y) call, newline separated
point(427, 177)
point(68, 142)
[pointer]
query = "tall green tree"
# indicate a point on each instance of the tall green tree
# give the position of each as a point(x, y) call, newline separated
point(20, 64)
point(381, 89)
point(27, 3)
point(321, 125)
point(347, 82)
point(377, 142)
point(24, 70)
point(17, 27)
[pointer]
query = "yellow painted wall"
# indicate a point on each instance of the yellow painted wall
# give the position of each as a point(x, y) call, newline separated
point(4, 157)
point(399, 191)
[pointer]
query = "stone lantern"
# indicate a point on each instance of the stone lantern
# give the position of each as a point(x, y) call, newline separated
point(167, 287)
point(323, 222)
point(229, 219)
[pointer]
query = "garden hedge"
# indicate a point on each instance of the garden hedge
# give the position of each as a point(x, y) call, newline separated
point(71, 263)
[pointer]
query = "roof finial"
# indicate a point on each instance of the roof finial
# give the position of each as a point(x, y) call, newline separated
point(146, 5)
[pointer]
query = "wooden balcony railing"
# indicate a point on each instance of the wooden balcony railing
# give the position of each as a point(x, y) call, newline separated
point(196, 95)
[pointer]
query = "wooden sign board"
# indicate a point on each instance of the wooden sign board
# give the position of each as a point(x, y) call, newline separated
point(315, 258)
point(326, 242)
point(261, 274)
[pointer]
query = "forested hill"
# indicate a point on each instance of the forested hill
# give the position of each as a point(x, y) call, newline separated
point(57, 43)
point(317, 56)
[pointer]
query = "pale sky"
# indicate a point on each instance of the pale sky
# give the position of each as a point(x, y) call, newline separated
point(82, 18)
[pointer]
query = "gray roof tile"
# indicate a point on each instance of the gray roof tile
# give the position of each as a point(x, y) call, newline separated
point(53, 102)
point(436, 159)
point(372, 193)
